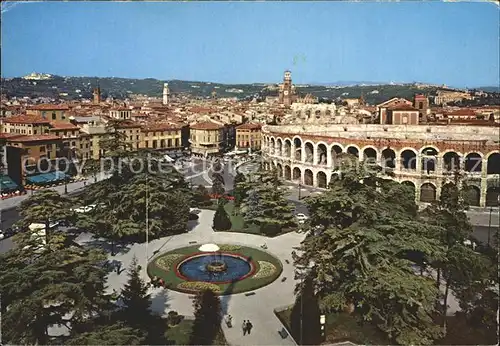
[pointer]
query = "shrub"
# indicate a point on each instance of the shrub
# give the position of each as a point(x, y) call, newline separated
point(166, 262)
point(266, 269)
point(173, 318)
point(198, 286)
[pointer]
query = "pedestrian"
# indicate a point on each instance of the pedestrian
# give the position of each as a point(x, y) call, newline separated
point(249, 326)
point(118, 267)
point(85, 183)
point(244, 327)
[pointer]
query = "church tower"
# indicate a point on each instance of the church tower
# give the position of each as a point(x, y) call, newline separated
point(287, 90)
point(166, 92)
point(97, 95)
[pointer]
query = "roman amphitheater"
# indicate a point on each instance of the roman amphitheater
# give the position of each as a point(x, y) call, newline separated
point(425, 157)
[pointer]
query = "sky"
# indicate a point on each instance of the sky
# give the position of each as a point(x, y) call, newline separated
point(250, 42)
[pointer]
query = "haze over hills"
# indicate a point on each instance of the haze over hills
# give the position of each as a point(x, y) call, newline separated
point(52, 86)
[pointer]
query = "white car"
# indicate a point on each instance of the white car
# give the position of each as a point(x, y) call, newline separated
point(84, 209)
point(1, 235)
point(194, 210)
point(301, 217)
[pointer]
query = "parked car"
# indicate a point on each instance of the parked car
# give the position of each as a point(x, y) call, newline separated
point(84, 209)
point(194, 210)
point(301, 217)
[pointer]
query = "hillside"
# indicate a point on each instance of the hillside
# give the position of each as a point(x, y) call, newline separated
point(78, 87)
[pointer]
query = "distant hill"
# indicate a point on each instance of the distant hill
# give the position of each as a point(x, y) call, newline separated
point(81, 87)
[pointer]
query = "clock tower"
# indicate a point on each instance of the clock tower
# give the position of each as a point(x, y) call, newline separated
point(287, 90)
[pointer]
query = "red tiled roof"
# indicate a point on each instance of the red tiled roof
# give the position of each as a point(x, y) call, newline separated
point(50, 107)
point(159, 127)
point(201, 110)
point(61, 125)
point(459, 112)
point(34, 138)
point(127, 124)
point(27, 119)
point(206, 125)
point(402, 107)
point(120, 109)
point(8, 135)
point(249, 126)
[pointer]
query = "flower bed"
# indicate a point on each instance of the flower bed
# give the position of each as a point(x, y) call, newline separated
point(266, 269)
point(165, 267)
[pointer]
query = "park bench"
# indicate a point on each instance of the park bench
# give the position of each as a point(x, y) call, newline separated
point(192, 242)
point(249, 294)
point(284, 279)
point(283, 333)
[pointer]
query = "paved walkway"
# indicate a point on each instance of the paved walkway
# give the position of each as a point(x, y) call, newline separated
point(257, 308)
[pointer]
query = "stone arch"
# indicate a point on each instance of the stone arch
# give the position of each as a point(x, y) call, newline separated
point(388, 158)
point(308, 177)
point(493, 164)
point(322, 153)
point(272, 146)
point(451, 161)
point(408, 159)
point(473, 162)
point(353, 150)
point(335, 151)
point(279, 147)
point(429, 158)
point(297, 174)
point(279, 168)
point(321, 179)
point(472, 195)
point(492, 195)
point(309, 152)
point(297, 155)
point(287, 148)
point(427, 192)
point(288, 173)
point(411, 186)
point(370, 154)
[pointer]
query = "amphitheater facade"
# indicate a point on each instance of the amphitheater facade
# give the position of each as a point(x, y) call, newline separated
point(424, 157)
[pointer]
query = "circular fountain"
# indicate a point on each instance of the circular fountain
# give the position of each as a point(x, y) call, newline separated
point(211, 265)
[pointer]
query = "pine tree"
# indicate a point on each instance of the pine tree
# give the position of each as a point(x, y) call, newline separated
point(115, 334)
point(208, 317)
point(305, 323)
point(136, 299)
point(360, 260)
point(240, 189)
point(201, 196)
point(221, 219)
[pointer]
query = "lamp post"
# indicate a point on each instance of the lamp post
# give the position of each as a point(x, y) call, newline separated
point(489, 226)
point(300, 188)
point(322, 322)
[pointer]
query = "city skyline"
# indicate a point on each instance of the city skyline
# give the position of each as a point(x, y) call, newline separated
point(255, 42)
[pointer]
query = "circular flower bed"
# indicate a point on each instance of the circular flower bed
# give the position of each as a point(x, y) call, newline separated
point(264, 269)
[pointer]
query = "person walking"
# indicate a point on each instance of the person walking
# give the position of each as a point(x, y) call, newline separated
point(244, 327)
point(249, 326)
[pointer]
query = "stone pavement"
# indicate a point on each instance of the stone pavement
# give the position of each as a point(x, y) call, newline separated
point(257, 308)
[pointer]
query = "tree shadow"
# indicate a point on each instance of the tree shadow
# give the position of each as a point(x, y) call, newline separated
point(159, 303)
point(118, 248)
point(192, 224)
point(226, 296)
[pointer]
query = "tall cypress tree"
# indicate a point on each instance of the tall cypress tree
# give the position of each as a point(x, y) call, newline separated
point(208, 317)
point(221, 219)
point(305, 324)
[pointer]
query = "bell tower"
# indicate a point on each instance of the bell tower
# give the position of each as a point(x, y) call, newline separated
point(97, 95)
point(166, 93)
point(287, 90)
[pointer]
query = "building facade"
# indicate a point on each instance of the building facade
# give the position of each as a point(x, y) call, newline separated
point(206, 138)
point(248, 136)
point(424, 157)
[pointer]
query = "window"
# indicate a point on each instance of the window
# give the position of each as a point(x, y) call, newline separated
point(147, 144)
point(54, 117)
point(137, 138)
point(42, 149)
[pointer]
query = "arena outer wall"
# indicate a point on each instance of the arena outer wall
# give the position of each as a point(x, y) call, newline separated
point(425, 157)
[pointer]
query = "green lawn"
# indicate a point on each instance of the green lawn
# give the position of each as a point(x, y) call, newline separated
point(179, 334)
point(341, 327)
point(164, 266)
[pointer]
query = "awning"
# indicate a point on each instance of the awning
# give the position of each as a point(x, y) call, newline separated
point(7, 184)
point(46, 178)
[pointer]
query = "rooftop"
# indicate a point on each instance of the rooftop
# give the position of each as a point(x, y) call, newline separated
point(26, 119)
point(206, 125)
point(34, 138)
point(50, 107)
point(249, 126)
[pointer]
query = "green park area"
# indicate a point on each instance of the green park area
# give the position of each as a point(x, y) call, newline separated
point(267, 268)
point(180, 334)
